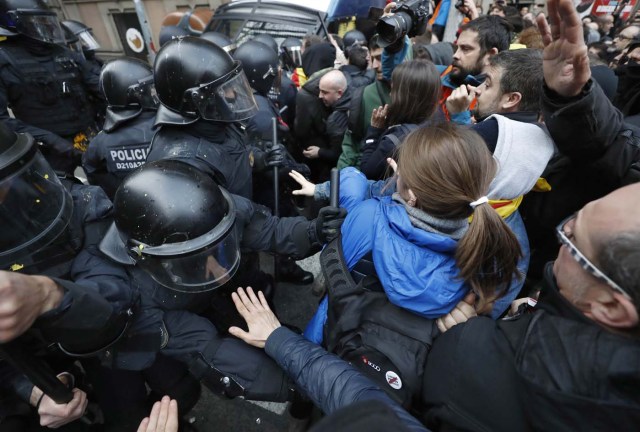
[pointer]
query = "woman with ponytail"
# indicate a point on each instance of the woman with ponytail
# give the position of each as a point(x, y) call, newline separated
point(436, 238)
point(444, 175)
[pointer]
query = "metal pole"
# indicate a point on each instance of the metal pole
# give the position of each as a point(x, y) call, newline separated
point(146, 30)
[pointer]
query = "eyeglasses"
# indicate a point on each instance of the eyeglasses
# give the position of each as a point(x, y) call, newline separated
point(582, 260)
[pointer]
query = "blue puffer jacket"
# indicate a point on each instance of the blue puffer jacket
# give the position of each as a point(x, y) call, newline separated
point(416, 268)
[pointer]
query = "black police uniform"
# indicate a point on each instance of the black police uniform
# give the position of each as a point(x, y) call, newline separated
point(111, 155)
point(168, 320)
point(202, 102)
point(49, 88)
point(219, 148)
point(98, 297)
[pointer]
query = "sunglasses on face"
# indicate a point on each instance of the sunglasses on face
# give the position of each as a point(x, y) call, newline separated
point(584, 262)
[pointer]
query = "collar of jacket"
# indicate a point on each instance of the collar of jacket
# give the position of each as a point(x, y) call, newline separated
point(553, 302)
point(522, 116)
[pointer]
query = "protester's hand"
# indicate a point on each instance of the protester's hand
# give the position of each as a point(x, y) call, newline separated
point(275, 155)
point(307, 188)
point(463, 311)
point(340, 59)
point(565, 61)
point(163, 417)
point(515, 305)
point(328, 223)
point(24, 298)
point(460, 99)
point(54, 415)
point(256, 312)
point(379, 117)
point(389, 8)
point(472, 10)
point(311, 152)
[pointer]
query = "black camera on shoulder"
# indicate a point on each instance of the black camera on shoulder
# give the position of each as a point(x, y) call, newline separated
point(410, 18)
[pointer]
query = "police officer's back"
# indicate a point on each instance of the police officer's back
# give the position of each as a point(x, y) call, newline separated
point(123, 143)
point(47, 86)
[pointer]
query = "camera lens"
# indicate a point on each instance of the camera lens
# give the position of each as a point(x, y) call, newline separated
point(391, 28)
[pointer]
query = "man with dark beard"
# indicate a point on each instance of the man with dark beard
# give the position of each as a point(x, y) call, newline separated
point(478, 40)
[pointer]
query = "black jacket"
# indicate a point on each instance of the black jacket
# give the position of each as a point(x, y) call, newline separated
point(53, 94)
point(357, 77)
point(97, 296)
point(597, 153)
point(112, 155)
point(553, 369)
point(220, 149)
point(321, 126)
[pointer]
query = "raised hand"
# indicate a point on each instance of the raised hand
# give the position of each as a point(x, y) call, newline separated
point(565, 61)
point(307, 188)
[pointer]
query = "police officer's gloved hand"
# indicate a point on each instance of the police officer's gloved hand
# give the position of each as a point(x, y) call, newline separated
point(274, 156)
point(328, 223)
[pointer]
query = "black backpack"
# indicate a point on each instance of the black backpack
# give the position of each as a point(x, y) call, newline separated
point(387, 343)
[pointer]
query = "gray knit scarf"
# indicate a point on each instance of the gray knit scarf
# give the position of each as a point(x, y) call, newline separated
point(452, 228)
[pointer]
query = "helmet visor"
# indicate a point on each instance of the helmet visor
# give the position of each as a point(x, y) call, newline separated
point(295, 55)
point(35, 208)
point(44, 27)
point(228, 102)
point(89, 43)
point(201, 271)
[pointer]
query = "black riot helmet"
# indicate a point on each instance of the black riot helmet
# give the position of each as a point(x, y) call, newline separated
point(354, 36)
point(260, 64)
point(35, 208)
point(127, 85)
point(220, 39)
point(291, 53)
point(178, 225)
point(195, 78)
point(31, 18)
point(83, 33)
point(268, 40)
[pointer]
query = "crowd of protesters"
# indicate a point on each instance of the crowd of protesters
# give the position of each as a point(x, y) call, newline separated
point(479, 249)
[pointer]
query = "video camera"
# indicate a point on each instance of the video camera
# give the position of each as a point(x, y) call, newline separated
point(410, 18)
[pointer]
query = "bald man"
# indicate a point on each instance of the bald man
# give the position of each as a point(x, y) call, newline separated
point(332, 86)
point(573, 363)
point(323, 149)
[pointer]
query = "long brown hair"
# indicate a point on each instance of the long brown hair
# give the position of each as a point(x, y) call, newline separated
point(415, 92)
point(447, 167)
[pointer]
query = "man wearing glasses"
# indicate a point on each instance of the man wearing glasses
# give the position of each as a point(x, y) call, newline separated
point(573, 362)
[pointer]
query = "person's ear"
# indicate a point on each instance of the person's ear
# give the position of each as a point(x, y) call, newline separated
point(510, 101)
point(412, 198)
point(493, 51)
point(618, 312)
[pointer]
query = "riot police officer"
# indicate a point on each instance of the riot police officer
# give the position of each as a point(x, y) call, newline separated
point(48, 252)
point(48, 87)
point(184, 234)
point(203, 94)
point(87, 42)
point(222, 40)
point(122, 145)
point(260, 64)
